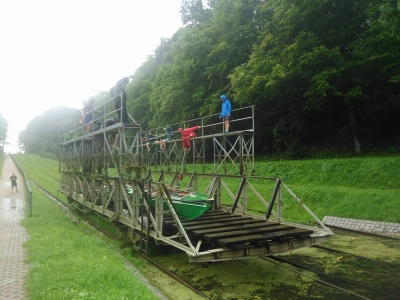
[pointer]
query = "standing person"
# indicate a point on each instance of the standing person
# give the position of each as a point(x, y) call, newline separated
point(186, 135)
point(120, 102)
point(226, 112)
point(87, 115)
point(13, 179)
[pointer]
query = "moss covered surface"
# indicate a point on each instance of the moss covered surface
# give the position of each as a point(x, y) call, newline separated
point(264, 279)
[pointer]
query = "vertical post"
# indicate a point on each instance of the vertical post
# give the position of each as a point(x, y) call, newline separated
point(194, 183)
point(30, 201)
point(215, 159)
point(244, 196)
point(203, 147)
point(159, 209)
point(252, 114)
point(217, 195)
point(241, 167)
point(118, 201)
point(280, 208)
point(224, 151)
point(203, 154)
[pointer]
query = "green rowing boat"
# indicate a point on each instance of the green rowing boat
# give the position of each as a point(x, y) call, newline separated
point(186, 204)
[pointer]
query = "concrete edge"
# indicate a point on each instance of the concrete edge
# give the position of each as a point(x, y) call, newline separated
point(377, 227)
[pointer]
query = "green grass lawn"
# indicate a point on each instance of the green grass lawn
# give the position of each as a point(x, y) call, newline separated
point(67, 259)
point(363, 188)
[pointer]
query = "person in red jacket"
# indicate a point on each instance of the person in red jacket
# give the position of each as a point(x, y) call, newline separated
point(186, 135)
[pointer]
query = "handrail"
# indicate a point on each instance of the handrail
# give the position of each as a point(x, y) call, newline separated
point(207, 127)
point(27, 187)
point(210, 124)
point(99, 114)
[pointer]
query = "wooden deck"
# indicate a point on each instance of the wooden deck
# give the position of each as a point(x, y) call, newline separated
point(236, 232)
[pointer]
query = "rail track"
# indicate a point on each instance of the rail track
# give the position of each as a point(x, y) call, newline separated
point(345, 286)
point(338, 286)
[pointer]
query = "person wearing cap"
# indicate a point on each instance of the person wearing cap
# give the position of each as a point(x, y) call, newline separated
point(226, 112)
point(186, 135)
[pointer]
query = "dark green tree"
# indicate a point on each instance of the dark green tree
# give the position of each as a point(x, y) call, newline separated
point(305, 76)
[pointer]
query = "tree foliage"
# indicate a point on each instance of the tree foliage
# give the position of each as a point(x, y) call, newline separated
point(42, 132)
point(320, 73)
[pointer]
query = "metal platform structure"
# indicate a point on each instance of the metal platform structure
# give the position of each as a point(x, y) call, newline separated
point(99, 166)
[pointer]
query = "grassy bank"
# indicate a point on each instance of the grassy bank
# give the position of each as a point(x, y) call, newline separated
point(67, 263)
point(363, 188)
point(67, 259)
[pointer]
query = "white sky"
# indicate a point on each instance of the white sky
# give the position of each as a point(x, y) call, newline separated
point(59, 52)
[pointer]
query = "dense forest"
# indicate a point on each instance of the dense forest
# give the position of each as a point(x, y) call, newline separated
point(323, 75)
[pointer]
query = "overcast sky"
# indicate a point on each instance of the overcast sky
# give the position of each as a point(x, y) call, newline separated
point(59, 53)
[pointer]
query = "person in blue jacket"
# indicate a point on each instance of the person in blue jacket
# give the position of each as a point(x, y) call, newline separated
point(226, 112)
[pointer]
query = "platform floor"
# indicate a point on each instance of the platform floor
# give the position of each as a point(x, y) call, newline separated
point(237, 232)
point(13, 268)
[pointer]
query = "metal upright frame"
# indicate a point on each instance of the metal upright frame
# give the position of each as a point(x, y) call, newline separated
point(98, 179)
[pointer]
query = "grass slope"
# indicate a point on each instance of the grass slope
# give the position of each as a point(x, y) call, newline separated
point(363, 188)
point(67, 263)
point(67, 260)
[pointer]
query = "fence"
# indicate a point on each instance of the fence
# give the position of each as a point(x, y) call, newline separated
point(27, 187)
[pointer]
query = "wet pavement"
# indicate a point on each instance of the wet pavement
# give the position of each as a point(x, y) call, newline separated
point(13, 268)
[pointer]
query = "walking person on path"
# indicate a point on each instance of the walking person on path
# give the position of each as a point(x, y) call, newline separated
point(13, 179)
point(226, 112)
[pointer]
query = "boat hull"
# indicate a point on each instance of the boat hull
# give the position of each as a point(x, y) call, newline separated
point(188, 206)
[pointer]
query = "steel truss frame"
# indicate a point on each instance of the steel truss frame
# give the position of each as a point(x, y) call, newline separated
point(108, 197)
point(233, 155)
point(97, 168)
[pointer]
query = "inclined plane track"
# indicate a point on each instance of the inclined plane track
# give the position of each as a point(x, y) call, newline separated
point(343, 286)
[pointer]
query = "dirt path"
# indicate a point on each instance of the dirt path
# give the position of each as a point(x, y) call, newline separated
point(12, 235)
